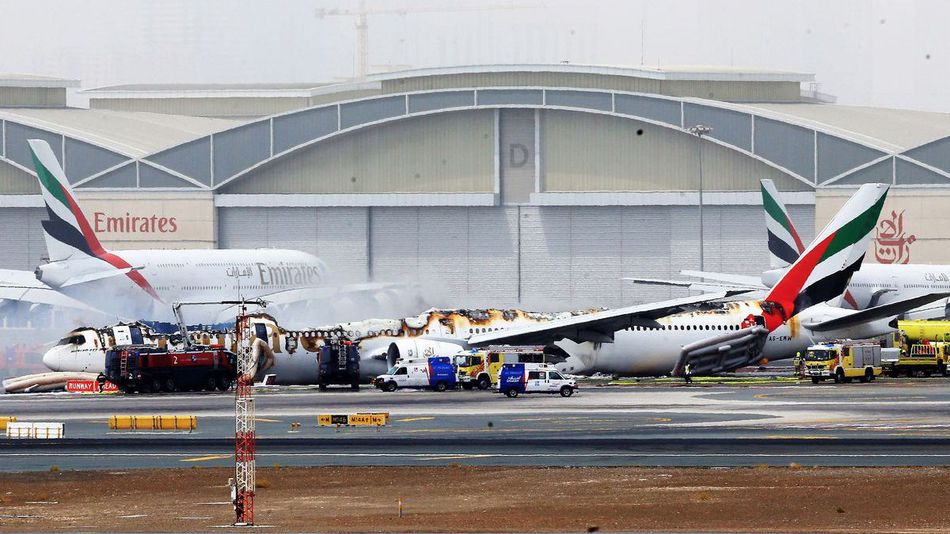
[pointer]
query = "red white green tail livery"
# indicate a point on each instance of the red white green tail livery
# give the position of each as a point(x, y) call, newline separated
point(785, 246)
point(824, 269)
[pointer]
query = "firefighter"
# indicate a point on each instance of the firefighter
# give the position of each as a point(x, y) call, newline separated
point(798, 364)
point(688, 373)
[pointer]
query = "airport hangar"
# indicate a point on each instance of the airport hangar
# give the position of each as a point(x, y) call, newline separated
point(494, 184)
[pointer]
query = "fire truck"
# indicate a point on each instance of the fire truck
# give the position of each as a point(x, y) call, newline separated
point(480, 368)
point(843, 361)
point(149, 369)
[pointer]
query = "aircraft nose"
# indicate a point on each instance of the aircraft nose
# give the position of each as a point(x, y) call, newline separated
point(53, 359)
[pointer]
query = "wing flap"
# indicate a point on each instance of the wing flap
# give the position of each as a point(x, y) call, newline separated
point(722, 353)
point(877, 312)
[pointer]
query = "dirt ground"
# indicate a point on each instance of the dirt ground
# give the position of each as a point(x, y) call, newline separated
point(470, 499)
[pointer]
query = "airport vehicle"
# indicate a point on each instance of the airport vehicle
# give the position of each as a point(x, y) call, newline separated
point(920, 331)
point(480, 368)
point(435, 372)
point(339, 362)
point(518, 378)
point(146, 368)
point(843, 361)
point(919, 359)
point(139, 283)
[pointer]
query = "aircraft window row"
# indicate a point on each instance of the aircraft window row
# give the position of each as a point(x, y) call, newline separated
point(479, 330)
point(172, 265)
point(200, 288)
point(688, 327)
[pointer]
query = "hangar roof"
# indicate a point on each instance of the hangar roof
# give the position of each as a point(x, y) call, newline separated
point(134, 134)
point(889, 129)
point(374, 81)
point(33, 80)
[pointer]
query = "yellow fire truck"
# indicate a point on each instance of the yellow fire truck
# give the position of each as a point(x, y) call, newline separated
point(843, 361)
point(480, 369)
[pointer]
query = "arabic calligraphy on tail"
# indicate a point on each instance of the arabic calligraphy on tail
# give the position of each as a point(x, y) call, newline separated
point(891, 244)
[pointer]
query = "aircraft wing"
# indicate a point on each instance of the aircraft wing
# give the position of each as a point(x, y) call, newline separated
point(731, 279)
point(290, 296)
point(596, 327)
point(693, 285)
point(724, 352)
point(884, 311)
point(22, 286)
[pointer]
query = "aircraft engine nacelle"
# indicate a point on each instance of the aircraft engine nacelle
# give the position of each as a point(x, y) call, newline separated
point(406, 349)
point(52, 274)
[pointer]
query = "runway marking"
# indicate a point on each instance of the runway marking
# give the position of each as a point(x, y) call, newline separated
point(204, 458)
point(411, 419)
point(455, 457)
point(517, 455)
point(262, 420)
point(778, 436)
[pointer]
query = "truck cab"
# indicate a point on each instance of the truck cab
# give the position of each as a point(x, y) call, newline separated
point(516, 378)
point(436, 373)
point(843, 361)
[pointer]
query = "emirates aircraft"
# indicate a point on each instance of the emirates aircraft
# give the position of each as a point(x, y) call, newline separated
point(142, 284)
point(661, 338)
point(875, 284)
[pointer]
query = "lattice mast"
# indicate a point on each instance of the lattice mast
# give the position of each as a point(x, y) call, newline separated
point(244, 430)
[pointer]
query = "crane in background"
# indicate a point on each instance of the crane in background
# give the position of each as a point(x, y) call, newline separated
point(362, 13)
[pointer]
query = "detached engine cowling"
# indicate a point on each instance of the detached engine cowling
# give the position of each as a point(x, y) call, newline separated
point(406, 349)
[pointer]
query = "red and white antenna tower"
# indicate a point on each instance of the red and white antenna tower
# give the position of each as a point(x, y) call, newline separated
point(245, 438)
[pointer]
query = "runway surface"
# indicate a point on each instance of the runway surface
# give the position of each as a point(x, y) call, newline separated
point(893, 422)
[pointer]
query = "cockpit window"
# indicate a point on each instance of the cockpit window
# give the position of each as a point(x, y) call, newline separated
point(76, 339)
point(136, 335)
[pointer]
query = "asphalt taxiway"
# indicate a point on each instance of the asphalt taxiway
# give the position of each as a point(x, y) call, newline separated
point(889, 422)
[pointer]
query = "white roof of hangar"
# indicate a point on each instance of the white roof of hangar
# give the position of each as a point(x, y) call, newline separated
point(135, 134)
point(896, 130)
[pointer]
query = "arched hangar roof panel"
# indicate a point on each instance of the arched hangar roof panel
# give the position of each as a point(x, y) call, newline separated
point(936, 154)
point(132, 134)
point(584, 152)
point(448, 152)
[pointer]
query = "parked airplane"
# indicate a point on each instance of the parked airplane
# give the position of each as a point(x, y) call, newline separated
point(142, 284)
point(660, 338)
point(874, 284)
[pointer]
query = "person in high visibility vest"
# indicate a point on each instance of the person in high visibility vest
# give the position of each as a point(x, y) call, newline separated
point(688, 373)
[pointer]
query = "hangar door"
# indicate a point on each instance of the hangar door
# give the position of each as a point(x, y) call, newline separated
point(335, 235)
point(21, 238)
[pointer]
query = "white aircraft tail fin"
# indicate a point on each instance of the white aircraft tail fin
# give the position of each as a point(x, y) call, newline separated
point(785, 246)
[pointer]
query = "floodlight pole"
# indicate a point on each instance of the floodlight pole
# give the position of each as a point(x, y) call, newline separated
point(699, 131)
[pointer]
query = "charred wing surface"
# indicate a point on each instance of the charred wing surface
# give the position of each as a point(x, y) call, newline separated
point(722, 353)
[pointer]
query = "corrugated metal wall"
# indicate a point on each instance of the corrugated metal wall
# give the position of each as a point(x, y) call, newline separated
point(32, 97)
point(234, 107)
point(732, 91)
point(16, 181)
point(586, 152)
point(22, 238)
point(336, 235)
point(542, 257)
point(451, 152)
